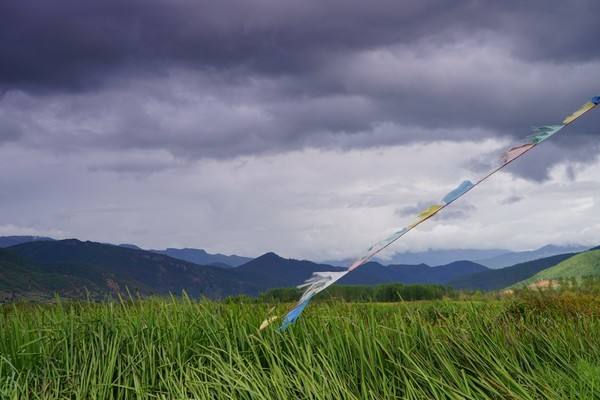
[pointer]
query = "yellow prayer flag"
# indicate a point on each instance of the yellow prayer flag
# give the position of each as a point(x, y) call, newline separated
point(585, 108)
point(429, 212)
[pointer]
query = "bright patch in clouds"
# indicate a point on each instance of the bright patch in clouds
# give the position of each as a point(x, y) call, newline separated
point(316, 204)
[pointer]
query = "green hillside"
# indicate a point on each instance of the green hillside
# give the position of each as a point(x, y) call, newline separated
point(76, 268)
point(582, 265)
point(19, 278)
point(496, 279)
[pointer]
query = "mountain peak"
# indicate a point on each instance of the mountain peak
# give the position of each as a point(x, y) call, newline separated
point(72, 241)
point(463, 262)
point(130, 246)
point(199, 251)
point(270, 256)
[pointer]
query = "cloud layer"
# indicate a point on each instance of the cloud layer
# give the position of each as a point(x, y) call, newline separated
point(136, 91)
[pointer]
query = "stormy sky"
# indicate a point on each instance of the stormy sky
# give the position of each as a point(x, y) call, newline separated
point(309, 128)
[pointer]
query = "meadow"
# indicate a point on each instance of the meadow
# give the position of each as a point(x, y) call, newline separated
point(519, 348)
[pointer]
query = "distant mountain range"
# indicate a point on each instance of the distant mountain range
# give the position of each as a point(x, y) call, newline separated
point(512, 258)
point(199, 256)
point(196, 256)
point(491, 258)
point(72, 268)
point(441, 257)
point(276, 271)
point(374, 273)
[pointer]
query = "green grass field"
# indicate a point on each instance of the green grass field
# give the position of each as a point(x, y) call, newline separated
point(181, 349)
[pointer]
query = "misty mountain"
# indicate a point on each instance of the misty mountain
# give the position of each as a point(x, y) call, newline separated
point(430, 257)
point(443, 257)
point(374, 273)
point(491, 258)
point(199, 256)
point(512, 258)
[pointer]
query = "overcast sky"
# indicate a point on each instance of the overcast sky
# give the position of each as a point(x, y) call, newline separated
point(309, 128)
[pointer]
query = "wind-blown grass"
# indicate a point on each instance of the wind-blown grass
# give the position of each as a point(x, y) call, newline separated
point(180, 349)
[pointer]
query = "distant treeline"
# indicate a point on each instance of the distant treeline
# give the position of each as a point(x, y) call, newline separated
point(359, 293)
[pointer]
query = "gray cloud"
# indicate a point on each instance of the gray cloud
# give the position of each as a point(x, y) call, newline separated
point(458, 211)
point(413, 210)
point(513, 198)
point(9, 129)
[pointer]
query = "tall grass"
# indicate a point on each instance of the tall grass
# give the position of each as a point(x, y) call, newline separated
point(181, 349)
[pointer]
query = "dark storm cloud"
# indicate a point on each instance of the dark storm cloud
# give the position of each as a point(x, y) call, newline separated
point(75, 44)
point(228, 78)
point(562, 31)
